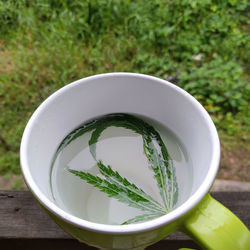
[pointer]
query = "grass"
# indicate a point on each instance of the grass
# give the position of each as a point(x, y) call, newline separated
point(203, 46)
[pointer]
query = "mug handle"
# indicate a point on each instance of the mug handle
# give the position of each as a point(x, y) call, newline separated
point(213, 226)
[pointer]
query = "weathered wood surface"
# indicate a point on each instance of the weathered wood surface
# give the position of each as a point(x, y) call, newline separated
point(24, 225)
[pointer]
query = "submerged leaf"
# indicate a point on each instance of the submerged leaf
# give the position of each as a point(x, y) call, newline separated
point(160, 162)
point(120, 188)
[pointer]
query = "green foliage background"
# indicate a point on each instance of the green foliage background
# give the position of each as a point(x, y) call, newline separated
point(203, 46)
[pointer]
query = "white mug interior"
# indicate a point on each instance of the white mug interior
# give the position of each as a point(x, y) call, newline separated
point(108, 93)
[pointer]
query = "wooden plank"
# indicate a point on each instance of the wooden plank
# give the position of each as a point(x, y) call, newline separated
point(21, 217)
point(24, 224)
point(70, 244)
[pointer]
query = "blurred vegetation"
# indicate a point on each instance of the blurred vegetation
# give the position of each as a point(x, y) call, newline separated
point(202, 46)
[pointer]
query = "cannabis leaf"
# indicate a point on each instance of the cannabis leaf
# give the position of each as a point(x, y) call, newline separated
point(120, 188)
point(160, 162)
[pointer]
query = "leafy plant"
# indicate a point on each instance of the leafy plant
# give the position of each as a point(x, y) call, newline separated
point(45, 44)
point(120, 188)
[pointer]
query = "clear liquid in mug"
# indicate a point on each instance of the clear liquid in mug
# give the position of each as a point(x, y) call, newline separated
point(122, 149)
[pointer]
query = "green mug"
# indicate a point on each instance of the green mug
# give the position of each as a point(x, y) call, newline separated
point(208, 222)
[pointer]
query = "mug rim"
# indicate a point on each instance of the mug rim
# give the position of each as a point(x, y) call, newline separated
point(177, 213)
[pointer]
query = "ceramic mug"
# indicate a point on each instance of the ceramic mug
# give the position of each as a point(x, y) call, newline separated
point(200, 216)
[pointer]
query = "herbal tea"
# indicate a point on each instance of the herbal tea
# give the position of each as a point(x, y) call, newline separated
point(120, 169)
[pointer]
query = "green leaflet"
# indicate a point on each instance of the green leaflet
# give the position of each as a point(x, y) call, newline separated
point(120, 188)
point(141, 218)
point(131, 189)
